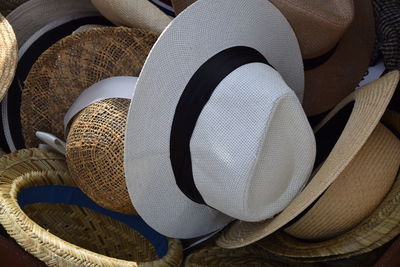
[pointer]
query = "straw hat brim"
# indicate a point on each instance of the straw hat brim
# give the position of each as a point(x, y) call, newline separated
point(378, 229)
point(8, 55)
point(328, 84)
point(36, 167)
point(35, 14)
point(370, 104)
point(53, 80)
point(191, 39)
point(134, 14)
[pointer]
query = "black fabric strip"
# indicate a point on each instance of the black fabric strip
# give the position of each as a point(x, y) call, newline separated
point(193, 99)
point(26, 62)
point(312, 63)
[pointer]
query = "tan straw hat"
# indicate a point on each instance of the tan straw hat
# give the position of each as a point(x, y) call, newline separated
point(138, 13)
point(336, 40)
point(52, 219)
point(377, 229)
point(8, 55)
point(365, 108)
point(96, 138)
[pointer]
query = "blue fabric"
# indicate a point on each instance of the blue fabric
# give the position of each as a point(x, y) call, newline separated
point(74, 196)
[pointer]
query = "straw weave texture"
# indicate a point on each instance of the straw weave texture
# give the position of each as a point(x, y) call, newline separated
point(95, 153)
point(72, 65)
point(8, 55)
point(45, 229)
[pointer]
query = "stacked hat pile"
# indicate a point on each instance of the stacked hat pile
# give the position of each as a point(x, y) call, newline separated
point(236, 133)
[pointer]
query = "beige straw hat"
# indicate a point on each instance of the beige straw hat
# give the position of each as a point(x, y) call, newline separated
point(376, 230)
point(8, 55)
point(133, 14)
point(53, 220)
point(356, 192)
point(381, 225)
point(96, 138)
point(370, 102)
point(336, 40)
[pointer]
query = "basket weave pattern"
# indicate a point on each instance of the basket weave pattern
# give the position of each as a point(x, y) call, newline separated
point(57, 78)
point(95, 154)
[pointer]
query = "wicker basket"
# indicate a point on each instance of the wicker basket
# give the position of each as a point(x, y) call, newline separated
point(52, 219)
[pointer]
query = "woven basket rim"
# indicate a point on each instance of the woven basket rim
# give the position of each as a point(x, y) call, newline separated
point(20, 227)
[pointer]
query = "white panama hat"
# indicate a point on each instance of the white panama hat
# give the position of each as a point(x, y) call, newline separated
point(219, 134)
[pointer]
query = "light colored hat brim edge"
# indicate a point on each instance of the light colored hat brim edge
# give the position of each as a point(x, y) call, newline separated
point(371, 102)
point(174, 63)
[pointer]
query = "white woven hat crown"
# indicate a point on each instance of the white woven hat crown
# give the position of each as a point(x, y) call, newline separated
point(207, 144)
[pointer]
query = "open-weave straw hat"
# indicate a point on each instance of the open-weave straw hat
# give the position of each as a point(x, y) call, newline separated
point(34, 38)
point(138, 13)
point(336, 40)
point(219, 134)
point(96, 138)
point(370, 103)
point(49, 217)
point(8, 55)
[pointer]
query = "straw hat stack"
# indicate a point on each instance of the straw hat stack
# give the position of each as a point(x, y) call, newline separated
point(243, 133)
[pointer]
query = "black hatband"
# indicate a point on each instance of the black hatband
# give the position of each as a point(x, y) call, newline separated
point(192, 101)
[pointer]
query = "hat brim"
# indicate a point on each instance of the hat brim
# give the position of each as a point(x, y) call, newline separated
point(327, 84)
point(35, 14)
point(371, 102)
point(197, 34)
point(376, 230)
point(8, 55)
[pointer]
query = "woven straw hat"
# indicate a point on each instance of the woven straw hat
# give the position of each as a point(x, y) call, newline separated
point(360, 188)
point(96, 137)
point(53, 220)
point(336, 40)
point(370, 102)
point(34, 38)
point(193, 166)
point(8, 55)
point(133, 14)
point(377, 229)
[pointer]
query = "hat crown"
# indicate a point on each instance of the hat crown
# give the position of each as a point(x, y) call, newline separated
point(252, 149)
point(319, 25)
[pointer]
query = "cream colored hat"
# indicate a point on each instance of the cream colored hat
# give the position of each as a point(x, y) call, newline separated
point(8, 55)
point(336, 39)
point(220, 133)
point(137, 13)
point(370, 103)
